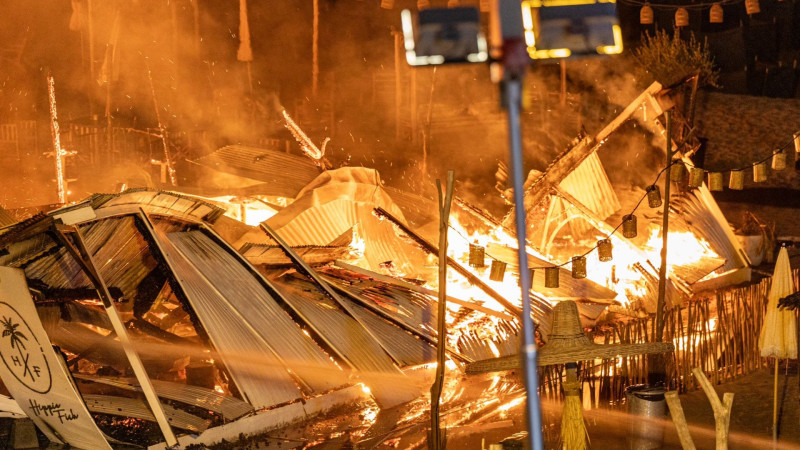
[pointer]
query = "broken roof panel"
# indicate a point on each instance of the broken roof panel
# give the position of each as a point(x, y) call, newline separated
point(350, 340)
point(117, 247)
point(589, 183)
point(229, 407)
point(415, 310)
point(257, 372)
point(235, 286)
point(283, 174)
point(273, 256)
point(333, 203)
point(137, 408)
point(162, 202)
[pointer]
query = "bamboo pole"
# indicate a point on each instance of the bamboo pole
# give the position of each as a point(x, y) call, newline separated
point(398, 82)
point(662, 272)
point(679, 419)
point(722, 410)
point(315, 50)
point(437, 440)
point(775, 404)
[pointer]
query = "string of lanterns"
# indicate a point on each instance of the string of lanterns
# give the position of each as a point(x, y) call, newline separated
point(629, 225)
point(715, 14)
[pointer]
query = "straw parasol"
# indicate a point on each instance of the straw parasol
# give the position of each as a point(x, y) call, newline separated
point(567, 344)
point(778, 338)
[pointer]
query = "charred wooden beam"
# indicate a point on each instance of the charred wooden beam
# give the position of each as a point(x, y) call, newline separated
point(156, 332)
point(148, 290)
point(430, 248)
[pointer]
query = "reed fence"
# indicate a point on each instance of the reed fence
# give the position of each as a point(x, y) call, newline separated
point(717, 332)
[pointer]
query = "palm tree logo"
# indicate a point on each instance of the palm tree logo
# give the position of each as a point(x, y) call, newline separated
point(16, 337)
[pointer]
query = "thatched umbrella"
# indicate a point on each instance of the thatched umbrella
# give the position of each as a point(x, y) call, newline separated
point(778, 337)
point(568, 344)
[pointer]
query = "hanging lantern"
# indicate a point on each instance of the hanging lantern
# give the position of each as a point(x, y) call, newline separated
point(715, 14)
point(681, 17)
point(646, 14)
point(737, 180)
point(778, 160)
point(677, 172)
point(629, 226)
point(604, 249)
point(579, 267)
point(653, 196)
point(797, 142)
point(498, 271)
point(551, 277)
point(752, 7)
point(760, 172)
point(696, 177)
point(715, 181)
point(387, 4)
point(476, 256)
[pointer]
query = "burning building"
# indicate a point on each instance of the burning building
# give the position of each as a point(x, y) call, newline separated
point(236, 328)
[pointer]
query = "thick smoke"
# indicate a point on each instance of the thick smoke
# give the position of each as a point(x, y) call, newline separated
point(186, 50)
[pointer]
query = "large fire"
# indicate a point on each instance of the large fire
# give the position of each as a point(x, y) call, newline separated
point(619, 275)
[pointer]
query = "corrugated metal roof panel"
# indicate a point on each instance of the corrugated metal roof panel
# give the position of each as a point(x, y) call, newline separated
point(404, 348)
point(284, 174)
point(229, 407)
point(388, 384)
point(137, 408)
point(270, 255)
point(700, 213)
point(165, 202)
point(413, 309)
point(341, 330)
point(258, 374)
point(589, 184)
point(241, 290)
point(118, 250)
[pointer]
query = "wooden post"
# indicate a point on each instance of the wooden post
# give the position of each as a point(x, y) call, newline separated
point(426, 134)
point(563, 94)
point(437, 440)
point(679, 419)
point(775, 404)
point(398, 81)
point(315, 50)
point(82, 256)
point(662, 273)
point(722, 410)
point(91, 82)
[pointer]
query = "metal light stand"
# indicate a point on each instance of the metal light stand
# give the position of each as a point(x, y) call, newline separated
point(515, 63)
point(513, 97)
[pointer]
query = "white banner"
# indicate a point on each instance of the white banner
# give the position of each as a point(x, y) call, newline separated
point(35, 375)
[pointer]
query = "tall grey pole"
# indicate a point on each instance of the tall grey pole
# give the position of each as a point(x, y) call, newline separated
point(513, 92)
point(515, 61)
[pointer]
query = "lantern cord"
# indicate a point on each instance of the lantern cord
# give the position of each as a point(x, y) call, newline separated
point(639, 203)
point(692, 6)
point(777, 151)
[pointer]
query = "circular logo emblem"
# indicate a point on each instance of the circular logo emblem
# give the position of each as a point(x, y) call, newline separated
point(21, 352)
